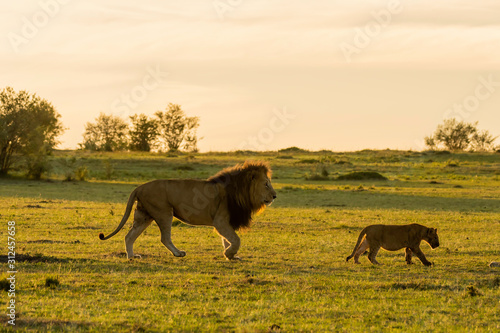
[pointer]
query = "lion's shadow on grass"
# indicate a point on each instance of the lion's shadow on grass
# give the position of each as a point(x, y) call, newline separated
point(37, 258)
point(419, 286)
point(44, 324)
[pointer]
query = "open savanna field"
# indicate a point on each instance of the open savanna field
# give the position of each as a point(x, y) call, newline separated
point(292, 277)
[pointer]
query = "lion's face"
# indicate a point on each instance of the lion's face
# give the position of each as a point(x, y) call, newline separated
point(264, 193)
point(432, 238)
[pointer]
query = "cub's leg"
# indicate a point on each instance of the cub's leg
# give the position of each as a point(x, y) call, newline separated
point(421, 256)
point(165, 224)
point(142, 220)
point(408, 255)
point(373, 254)
point(361, 249)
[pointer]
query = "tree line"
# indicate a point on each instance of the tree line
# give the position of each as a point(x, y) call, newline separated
point(30, 126)
point(170, 130)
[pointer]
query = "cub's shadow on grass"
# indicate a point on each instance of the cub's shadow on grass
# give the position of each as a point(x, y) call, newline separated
point(372, 199)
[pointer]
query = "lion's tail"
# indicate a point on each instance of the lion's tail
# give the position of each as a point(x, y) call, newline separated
point(360, 238)
point(130, 204)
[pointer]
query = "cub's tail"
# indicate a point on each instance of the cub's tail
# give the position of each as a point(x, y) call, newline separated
point(130, 204)
point(360, 238)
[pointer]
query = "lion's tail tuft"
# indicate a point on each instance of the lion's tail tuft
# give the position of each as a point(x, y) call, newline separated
point(101, 236)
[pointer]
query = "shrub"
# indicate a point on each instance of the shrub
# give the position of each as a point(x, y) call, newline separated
point(108, 169)
point(472, 291)
point(308, 161)
point(459, 136)
point(452, 163)
point(316, 176)
point(81, 173)
point(4, 284)
point(37, 164)
point(73, 169)
point(51, 282)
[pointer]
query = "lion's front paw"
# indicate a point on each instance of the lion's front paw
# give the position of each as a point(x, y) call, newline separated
point(135, 256)
point(235, 258)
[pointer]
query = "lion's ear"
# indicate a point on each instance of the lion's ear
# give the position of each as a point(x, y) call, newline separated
point(252, 175)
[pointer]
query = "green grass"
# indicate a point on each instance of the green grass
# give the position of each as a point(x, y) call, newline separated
point(293, 274)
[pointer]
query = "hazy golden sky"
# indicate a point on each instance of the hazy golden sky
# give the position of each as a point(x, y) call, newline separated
point(262, 75)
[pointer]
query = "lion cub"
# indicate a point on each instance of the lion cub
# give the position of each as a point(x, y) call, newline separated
point(393, 238)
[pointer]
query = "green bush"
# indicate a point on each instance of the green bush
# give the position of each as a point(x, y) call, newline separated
point(81, 173)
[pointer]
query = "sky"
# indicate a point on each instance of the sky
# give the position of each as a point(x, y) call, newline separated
point(262, 75)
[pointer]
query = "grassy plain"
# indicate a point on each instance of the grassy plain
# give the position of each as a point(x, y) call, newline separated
point(293, 276)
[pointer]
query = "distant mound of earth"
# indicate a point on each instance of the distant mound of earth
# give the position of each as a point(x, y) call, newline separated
point(362, 175)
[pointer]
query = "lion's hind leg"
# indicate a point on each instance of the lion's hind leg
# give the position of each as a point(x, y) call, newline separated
point(361, 249)
point(373, 254)
point(165, 225)
point(408, 256)
point(142, 220)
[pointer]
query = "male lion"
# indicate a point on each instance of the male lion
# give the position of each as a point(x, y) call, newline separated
point(393, 238)
point(225, 201)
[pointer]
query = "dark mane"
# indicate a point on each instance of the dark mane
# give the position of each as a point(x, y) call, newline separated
point(238, 181)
